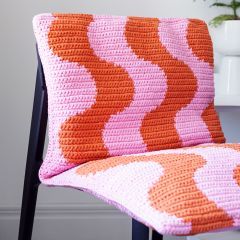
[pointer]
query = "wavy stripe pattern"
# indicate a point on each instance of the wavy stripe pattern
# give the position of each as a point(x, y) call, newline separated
point(158, 127)
point(69, 87)
point(202, 71)
point(127, 140)
point(191, 187)
point(81, 135)
point(151, 85)
point(224, 185)
point(178, 191)
point(205, 54)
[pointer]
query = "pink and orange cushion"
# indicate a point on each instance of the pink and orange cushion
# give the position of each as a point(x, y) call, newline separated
point(120, 91)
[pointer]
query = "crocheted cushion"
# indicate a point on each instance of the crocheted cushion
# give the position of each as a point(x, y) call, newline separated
point(180, 191)
point(124, 85)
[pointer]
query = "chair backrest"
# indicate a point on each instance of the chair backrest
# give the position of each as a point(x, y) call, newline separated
point(124, 85)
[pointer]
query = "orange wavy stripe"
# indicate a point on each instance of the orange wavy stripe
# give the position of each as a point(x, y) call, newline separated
point(197, 38)
point(103, 165)
point(211, 119)
point(144, 40)
point(80, 136)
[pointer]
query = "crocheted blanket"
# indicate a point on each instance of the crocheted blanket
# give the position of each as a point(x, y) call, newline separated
point(122, 90)
point(180, 192)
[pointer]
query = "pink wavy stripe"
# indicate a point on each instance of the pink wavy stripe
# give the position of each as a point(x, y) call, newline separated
point(136, 67)
point(179, 48)
point(216, 179)
point(69, 80)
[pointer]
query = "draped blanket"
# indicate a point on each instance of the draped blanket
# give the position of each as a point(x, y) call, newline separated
point(132, 120)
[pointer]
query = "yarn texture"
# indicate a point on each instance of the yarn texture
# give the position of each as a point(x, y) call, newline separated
point(132, 119)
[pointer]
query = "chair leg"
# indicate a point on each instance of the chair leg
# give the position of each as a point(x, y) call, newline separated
point(34, 157)
point(139, 231)
point(28, 211)
point(156, 235)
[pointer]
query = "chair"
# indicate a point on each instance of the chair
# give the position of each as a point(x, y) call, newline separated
point(34, 160)
point(130, 112)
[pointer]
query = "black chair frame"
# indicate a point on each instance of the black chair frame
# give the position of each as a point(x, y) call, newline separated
point(34, 160)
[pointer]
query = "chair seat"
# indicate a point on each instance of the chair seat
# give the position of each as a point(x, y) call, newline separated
point(180, 192)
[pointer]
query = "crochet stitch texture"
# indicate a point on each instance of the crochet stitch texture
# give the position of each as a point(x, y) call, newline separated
point(123, 90)
point(124, 85)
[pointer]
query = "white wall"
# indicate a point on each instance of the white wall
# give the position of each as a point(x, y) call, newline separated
point(17, 79)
